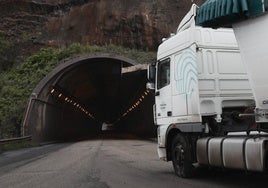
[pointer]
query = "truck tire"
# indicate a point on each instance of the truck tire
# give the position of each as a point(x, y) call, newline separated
point(181, 156)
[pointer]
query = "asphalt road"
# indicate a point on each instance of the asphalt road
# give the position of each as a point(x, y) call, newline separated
point(103, 163)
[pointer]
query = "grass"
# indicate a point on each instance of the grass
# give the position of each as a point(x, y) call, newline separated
point(17, 145)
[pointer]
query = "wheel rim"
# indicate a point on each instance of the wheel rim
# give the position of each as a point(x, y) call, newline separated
point(179, 155)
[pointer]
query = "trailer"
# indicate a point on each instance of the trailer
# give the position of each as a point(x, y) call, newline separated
point(249, 20)
point(204, 102)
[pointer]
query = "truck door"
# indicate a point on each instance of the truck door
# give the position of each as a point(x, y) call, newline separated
point(185, 100)
point(163, 92)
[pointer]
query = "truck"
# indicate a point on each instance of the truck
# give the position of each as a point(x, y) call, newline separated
point(204, 103)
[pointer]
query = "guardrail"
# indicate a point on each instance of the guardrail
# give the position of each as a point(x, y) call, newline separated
point(13, 140)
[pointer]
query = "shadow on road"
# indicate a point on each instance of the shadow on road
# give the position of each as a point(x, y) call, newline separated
point(14, 159)
point(232, 178)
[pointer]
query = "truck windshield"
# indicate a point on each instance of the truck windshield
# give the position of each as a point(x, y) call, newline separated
point(163, 73)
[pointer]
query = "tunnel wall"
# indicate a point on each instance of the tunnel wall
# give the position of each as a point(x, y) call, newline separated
point(48, 118)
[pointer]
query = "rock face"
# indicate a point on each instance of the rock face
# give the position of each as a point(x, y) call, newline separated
point(31, 24)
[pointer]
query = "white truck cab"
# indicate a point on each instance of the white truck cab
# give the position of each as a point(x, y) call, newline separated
point(202, 92)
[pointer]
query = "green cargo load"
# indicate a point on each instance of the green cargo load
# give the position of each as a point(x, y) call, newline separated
point(218, 13)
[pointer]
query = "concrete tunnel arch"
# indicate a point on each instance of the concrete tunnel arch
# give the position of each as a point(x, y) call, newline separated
point(80, 94)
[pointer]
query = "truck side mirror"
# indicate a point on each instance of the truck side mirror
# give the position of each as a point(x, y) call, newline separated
point(151, 73)
point(151, 76)
point(150, 86)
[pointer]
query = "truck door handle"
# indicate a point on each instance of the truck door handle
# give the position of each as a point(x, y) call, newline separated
point(157, 93)
point(169, 113)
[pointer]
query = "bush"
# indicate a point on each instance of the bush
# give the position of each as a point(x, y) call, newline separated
point(6, 54)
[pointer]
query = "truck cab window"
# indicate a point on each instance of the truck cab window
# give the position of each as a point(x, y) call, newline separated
point(163, 73)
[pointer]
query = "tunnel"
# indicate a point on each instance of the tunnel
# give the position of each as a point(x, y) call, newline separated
point(89, 95)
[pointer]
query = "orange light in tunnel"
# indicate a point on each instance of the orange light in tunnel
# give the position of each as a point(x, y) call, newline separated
point(83, 110)
point(67, 99)
point(135, 105)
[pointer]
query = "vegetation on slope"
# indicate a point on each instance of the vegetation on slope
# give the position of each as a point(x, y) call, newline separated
point(6, 53)
point(17, 84)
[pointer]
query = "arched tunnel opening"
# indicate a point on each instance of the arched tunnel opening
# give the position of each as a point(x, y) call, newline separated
point(85, 96)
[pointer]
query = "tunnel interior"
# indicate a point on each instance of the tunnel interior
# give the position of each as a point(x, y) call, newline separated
point(89, 96)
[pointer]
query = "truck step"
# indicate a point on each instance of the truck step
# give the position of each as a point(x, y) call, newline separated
point(237, 152)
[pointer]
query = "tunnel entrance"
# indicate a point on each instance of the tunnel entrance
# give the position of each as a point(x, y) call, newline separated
point(87, 95)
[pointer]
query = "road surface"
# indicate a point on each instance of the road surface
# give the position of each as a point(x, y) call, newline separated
point(104, 163)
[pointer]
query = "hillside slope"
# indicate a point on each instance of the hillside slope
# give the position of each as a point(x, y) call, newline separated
point(29, 25)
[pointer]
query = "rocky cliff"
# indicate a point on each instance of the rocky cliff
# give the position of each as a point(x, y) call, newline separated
point(31, 24)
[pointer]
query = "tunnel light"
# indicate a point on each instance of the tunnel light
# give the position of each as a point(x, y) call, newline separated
point(134, 106)
point(68, 99)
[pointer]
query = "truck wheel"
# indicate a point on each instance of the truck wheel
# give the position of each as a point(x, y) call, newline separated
point(181, 156)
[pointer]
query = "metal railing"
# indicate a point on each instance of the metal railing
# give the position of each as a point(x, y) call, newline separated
point(13, 140)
